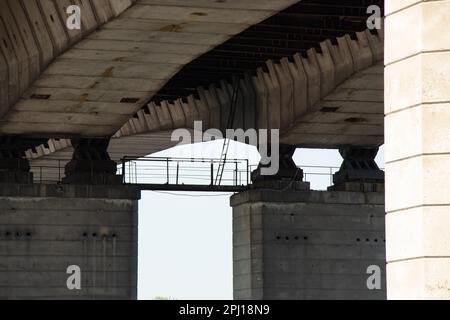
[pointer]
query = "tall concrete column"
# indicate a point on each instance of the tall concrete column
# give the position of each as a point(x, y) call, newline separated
point(417, 107)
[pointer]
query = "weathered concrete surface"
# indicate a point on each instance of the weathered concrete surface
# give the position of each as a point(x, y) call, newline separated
point(325, 100)
point(318, 110)
point(46, 229)
point(417, 149)
point(34, 33)
point(93, 88)
point(307, 244)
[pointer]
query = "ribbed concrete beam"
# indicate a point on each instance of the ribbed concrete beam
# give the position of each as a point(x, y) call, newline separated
point(33, 33)
point(337, 101)
point(94, 87)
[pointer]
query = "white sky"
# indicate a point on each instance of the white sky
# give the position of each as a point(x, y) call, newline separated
point(185, 241)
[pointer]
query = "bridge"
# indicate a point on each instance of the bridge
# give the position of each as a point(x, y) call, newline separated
point(85, 100)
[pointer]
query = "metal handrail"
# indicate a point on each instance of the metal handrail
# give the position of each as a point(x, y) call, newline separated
point(176, 171)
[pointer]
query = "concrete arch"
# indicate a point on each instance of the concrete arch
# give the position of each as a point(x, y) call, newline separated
point(302, 92)
point(90, 83)
point(33, 34)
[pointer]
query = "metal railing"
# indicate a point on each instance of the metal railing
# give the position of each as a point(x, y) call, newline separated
point(185, 173)
point(198, 173)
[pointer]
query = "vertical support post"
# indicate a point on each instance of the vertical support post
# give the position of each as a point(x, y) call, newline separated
point(248, 173)
point(212, 172)
point(123, 171)
point(236, 173)
point(168, 180)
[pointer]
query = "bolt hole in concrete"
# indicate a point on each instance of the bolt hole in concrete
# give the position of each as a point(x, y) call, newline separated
point(175, 261)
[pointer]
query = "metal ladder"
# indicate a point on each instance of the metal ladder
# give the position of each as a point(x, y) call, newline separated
point(226, 142)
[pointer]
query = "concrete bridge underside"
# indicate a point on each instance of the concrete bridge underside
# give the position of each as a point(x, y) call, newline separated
point(139, 69)
point(322, 86)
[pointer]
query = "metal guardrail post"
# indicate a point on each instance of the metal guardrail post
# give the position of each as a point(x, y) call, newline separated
point(178, 169)
point(248, 173)
point(123, 171)
point(212, 173)
point(168, 180)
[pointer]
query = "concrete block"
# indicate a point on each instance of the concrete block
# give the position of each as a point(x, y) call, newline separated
point(327, 69)
point(12, 67)
point(342, 59)
point(55, 25)
point(27, 36)
point(424, 279)
point(398, 5)
point(249, 103)
point(176, 113)
point(419, 130)
point(162, 111)
point(313, 242)
point(45, 229)
point(103, 11)
point(298, 75)
point(261, 99)
point(17, 46)
point(421, 181)
point(39, 29)
point(286, 94)
point(190, 113)
point(212, 106)
point(416, 80)
point(119, 6)
point(203, 111)
point(418, 29)
point(151, 118)
point(418, 232)
point(312, 72)
point(360, 51)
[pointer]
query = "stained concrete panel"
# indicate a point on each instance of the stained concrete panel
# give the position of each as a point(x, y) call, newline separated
point(46, 229)
point(307, 245)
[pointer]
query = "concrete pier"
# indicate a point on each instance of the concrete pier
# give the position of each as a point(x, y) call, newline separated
point(44, 229)
point(417, 125)
point(301, 244)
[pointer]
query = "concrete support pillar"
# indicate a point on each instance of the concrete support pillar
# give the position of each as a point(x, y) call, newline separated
point(288, 173)
point(303, 244)
point(359, 171)
point(417, 134)
point(91, 163)
point(14, 167)
point(45, 229)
